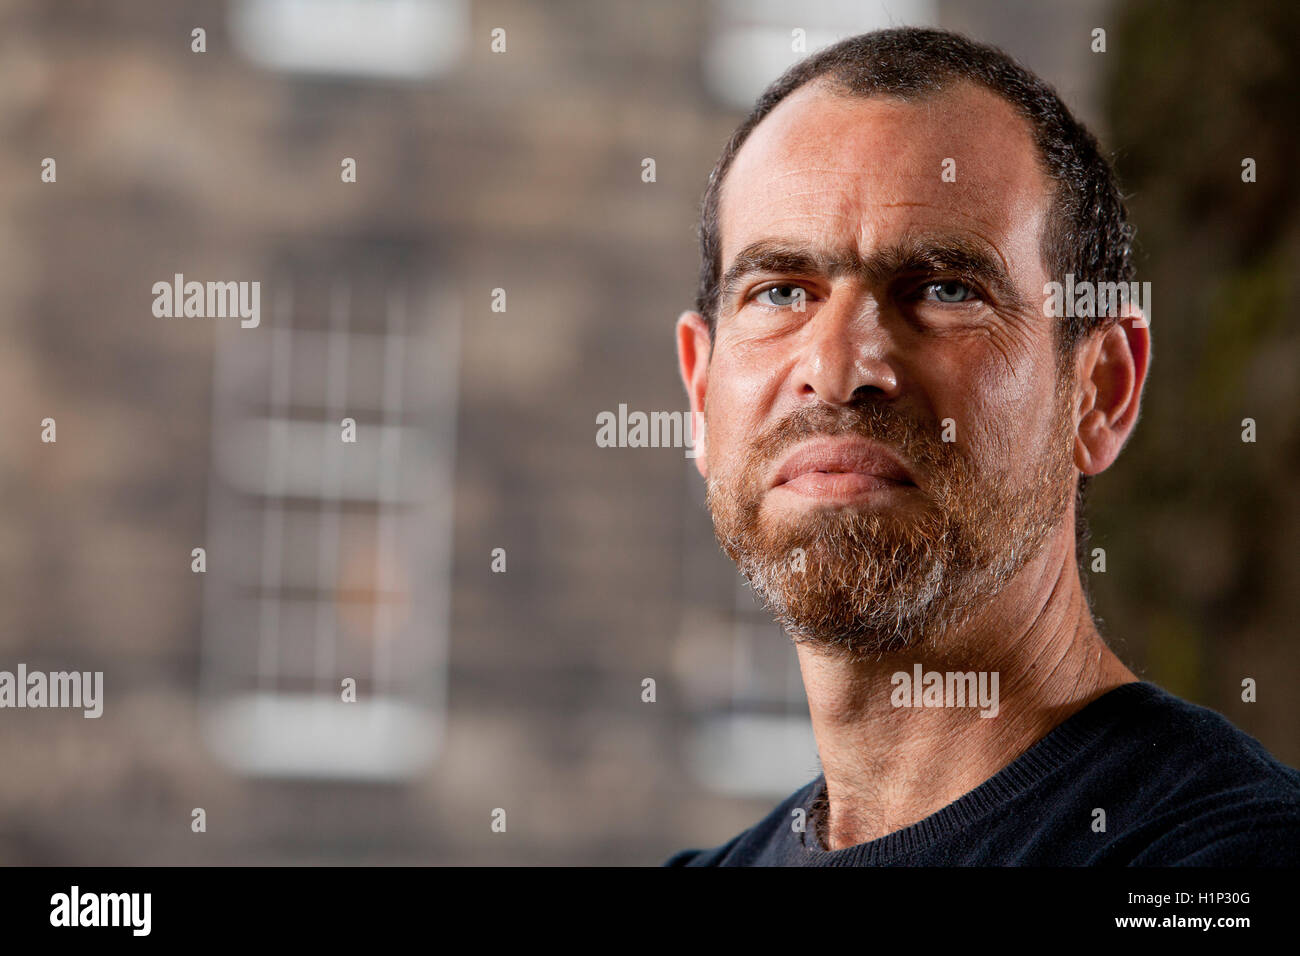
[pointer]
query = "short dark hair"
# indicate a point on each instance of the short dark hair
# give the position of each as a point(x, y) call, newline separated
point(1088, 233)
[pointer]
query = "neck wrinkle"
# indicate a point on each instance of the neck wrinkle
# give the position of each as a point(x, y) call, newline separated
point(886, 768)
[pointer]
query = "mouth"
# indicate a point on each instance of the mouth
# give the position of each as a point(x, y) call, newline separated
point(841, 468)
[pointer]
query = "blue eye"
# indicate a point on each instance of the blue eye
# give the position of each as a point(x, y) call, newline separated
point(791, 293)
point(950, 291)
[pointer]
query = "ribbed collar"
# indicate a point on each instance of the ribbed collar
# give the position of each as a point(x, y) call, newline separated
point(1062, 744)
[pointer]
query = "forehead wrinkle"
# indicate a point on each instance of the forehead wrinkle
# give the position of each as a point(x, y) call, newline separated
point(800, 170)
point(843, 206)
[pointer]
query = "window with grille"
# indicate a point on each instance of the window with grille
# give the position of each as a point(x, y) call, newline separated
point(329, 561)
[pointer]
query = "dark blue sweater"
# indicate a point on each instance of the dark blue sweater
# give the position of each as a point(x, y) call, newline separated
point(1179, 785)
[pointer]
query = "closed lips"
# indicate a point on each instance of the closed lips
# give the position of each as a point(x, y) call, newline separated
point(852, 457)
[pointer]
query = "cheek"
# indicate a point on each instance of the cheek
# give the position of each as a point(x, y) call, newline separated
point(1001, 412)
point(738, 396)
point(722, 407)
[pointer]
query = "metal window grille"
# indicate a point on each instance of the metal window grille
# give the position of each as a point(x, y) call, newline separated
point(330, 560)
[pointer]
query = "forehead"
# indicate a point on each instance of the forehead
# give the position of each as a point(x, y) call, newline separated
point(832, 169)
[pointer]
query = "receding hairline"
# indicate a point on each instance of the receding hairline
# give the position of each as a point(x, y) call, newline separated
point(947, 85)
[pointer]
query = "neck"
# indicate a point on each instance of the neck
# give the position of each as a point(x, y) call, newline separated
point(888, 766)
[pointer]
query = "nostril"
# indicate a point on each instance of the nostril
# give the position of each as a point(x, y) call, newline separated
point(867, 392)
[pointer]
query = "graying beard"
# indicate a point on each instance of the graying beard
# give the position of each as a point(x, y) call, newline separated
point(916, 618)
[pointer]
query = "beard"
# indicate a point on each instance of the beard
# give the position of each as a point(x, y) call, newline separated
point(860, 582)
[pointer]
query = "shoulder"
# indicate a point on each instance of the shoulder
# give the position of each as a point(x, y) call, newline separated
point(1206, 793)
point(1204, 751)
point(757, 845)
point(710, 857)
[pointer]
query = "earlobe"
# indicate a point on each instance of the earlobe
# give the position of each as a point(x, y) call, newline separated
point(1090, 436)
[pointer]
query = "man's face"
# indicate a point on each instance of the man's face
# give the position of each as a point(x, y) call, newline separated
point(883, 460)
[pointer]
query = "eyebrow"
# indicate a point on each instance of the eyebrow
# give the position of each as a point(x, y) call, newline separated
point(913, 255)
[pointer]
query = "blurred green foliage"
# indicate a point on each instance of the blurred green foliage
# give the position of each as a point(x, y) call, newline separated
point(1201, 528)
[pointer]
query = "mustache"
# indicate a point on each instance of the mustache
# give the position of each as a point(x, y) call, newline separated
point(916, 443)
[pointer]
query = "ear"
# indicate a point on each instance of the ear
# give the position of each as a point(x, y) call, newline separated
point(1112, 368)
point(693, 347)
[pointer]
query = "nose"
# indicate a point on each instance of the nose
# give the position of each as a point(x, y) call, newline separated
point(847, 356)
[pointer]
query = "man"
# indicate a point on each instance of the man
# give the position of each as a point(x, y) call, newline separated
point(899, 422)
